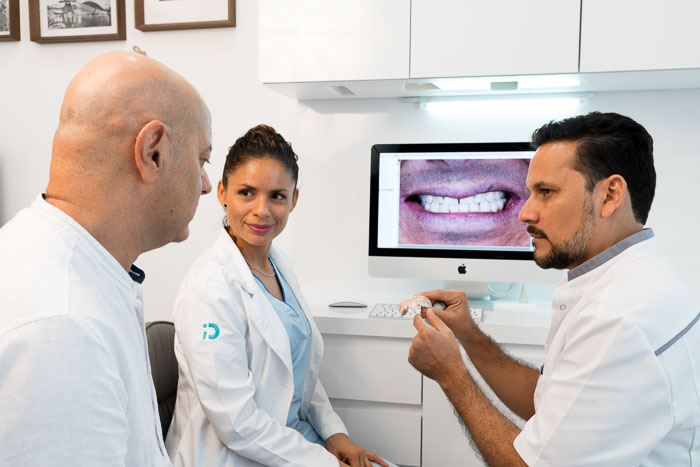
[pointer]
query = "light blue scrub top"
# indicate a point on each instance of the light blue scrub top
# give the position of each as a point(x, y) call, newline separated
point(299, 332)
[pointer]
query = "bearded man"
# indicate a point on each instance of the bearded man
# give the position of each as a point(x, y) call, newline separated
point(619, 384)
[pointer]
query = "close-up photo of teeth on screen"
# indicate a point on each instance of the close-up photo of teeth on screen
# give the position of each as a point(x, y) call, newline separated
point(453, 200)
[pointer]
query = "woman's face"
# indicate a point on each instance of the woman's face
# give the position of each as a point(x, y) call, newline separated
point(259, 196)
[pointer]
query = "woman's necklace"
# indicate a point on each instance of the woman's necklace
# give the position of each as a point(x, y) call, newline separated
point(261, 272)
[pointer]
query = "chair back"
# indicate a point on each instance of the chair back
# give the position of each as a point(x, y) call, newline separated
point(160, 336)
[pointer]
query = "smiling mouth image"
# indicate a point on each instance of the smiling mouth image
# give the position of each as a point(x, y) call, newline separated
point(492, 201)
point(469, 202)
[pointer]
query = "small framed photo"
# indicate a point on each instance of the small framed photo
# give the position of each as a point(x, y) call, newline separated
point(163, 15)
point(76, 20)
point(9, 20)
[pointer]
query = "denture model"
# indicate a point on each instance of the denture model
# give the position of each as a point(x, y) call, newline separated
point(413, 304)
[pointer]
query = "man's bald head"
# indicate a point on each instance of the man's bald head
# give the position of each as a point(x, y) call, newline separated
point(129, 151)
point(111, 99)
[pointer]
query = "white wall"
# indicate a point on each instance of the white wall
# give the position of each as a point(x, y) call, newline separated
point(327, 233)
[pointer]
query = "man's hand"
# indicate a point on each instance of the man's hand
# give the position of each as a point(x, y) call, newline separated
point(350, 453)
point(434, 351)
point(456, 313)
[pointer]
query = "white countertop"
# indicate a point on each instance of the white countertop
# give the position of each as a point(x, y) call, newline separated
point(510, 323)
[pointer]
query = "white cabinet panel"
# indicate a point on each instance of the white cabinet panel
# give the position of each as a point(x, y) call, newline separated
point(483, 37)
point(394, 434)
point(318, 40)
point(626, 35)
point(445, 443)
point(369, 369)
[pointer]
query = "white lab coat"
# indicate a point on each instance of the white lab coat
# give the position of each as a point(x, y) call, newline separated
point(236, 387)
point(621, 367)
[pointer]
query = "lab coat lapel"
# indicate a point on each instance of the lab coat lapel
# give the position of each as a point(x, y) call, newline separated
point(260, 313)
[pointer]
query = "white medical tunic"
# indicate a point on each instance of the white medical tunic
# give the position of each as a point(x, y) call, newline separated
point(75, 380)
point(619, 385)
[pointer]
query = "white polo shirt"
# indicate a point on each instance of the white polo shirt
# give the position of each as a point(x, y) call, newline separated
point(619, 385)
point(75, 381)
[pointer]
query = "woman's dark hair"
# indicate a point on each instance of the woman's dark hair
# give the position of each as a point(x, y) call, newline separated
point(261, 142)
point(608, 143)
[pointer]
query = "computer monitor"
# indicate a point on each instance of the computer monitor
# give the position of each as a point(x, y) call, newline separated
point(450, 212)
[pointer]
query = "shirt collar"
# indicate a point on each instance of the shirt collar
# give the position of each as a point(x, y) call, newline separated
point(103, 256)
point(137, 274)
point(610, 253)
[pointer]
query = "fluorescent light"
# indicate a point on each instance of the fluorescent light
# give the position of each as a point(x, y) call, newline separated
point(504, 107)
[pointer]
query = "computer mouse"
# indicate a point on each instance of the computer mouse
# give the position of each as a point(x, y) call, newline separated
point(348, 303)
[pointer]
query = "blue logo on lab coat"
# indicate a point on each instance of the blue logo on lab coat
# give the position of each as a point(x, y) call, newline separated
point(212, 334)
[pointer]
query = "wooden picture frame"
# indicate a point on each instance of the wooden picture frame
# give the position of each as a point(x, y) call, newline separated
point(166, 15)
point(9, 20)
point(76, 20)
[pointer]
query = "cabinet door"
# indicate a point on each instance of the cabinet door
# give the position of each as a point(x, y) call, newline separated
point(486, 37)
point(318, 40)
point(626, 35)
point(393, 433)
point(371, 369)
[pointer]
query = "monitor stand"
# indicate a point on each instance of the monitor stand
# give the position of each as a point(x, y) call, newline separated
point(484, 294)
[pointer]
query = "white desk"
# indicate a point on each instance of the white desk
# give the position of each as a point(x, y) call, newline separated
point(388, 406)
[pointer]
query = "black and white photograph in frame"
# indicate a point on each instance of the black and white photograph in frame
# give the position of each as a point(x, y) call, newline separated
point(9, 20)
point(4, 17)
point(163, 15)
point(73, 14)
point(76, 20)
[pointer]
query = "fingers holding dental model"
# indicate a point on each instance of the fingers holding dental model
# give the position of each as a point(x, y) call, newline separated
point(463, 202)
point(454, 311)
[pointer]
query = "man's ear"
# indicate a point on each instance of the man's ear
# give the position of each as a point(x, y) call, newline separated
point(614, 192)
point(149, 144)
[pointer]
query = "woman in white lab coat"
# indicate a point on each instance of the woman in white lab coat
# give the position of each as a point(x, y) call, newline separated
point(248, 351)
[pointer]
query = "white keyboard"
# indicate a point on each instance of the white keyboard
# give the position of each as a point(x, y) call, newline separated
point(391, 311)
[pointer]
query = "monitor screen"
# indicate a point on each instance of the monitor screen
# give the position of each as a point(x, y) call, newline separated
point(457, 202)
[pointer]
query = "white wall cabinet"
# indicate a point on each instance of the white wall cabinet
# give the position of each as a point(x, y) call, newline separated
point(318, 40)
point(628, 35)
point(313, 49)
point(482, 37)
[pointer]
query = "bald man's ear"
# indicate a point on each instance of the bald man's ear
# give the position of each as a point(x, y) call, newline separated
point(149, 143)
point(614, 193)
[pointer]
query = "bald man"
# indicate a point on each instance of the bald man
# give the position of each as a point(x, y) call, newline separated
point(127, 170)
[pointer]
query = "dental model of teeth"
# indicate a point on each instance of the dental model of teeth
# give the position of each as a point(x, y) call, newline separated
point(492, 201)
point(413, 304)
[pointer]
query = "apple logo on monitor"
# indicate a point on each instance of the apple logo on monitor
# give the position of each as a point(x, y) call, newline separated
point(462, 269)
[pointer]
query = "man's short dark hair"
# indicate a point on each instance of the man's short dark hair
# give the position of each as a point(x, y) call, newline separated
point(608, 143)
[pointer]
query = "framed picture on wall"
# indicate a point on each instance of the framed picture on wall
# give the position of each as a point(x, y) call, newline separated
point(76, 20)
point(9, 20)
point(163, 15)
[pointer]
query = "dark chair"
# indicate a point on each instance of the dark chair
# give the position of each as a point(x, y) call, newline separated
point(160, 336)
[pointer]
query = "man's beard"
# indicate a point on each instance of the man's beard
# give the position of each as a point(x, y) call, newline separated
point(572, 250)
